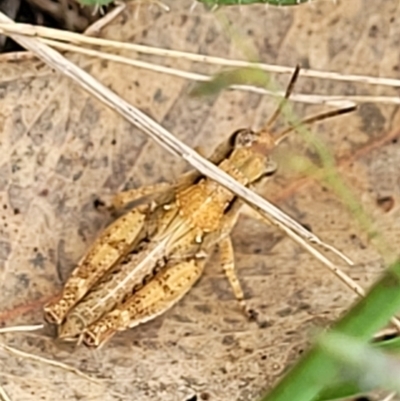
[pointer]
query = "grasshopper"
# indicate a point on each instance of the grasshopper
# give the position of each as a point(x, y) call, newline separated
point(149, 258)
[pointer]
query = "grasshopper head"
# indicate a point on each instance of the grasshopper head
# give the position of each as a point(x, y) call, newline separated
point(251, 154)
point(251, 149)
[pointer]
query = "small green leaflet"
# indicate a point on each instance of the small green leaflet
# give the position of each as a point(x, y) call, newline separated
point(222, 80)
point(245, 2)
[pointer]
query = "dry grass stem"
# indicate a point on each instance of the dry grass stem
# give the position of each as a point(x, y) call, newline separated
point(27, 355)
point(390, 396)
point(384, 333)
point(55, 38)
point(97, 26)
point(20, 329)
point(3, 395)
point(334, 101)
point(55, 34)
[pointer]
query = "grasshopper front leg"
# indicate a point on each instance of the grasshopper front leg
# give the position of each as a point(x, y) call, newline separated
point(124, 198)
point(113, 244)
point(155, 298)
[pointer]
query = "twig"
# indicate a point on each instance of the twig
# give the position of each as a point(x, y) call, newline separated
point(50, 362)
point(390, 396)
point(97, 26)
point(16, 329)
point(386, 332)
point(77, 38)
point(3, 395)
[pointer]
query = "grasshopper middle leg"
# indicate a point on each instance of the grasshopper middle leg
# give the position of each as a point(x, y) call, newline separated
point(124, 198)
point(228, 264)
point(223, 239)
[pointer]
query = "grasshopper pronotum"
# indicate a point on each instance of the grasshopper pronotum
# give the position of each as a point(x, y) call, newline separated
point(148, 259)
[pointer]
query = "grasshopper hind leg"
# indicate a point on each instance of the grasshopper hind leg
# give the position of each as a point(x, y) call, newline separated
point(228, 264)
point(114, 242)
point(152, 300)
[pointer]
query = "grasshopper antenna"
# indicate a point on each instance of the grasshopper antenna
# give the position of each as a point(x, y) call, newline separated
point(282, 103)
point(313, 119)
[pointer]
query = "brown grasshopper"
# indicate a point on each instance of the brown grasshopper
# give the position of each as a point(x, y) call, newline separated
point(149, 258)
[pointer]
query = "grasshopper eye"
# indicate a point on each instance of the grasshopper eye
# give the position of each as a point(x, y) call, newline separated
point(243, 138)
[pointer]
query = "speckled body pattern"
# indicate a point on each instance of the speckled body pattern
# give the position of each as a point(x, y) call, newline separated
point(149, 258)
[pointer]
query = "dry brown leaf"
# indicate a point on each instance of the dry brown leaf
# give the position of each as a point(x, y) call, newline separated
point(61, 150)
